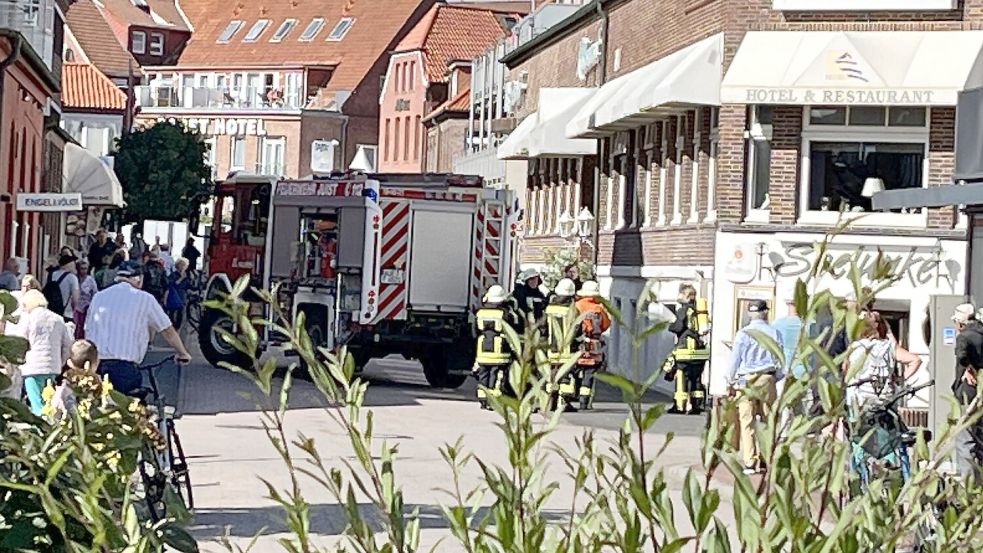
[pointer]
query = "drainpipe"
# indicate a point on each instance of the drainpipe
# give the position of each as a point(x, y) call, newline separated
point(602, 75)
point(344, 142)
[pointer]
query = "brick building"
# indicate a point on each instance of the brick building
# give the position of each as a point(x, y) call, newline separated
point(429, 68)
point(285, 88)
point(730, 135)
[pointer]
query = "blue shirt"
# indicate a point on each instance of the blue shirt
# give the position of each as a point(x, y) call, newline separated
point(789, 329)
point(749, 357)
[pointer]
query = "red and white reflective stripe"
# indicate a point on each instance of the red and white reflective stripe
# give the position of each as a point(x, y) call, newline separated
point(395, 250)
point(437, 195)
point(476, 280)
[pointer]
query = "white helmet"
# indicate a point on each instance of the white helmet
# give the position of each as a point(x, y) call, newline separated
point(496, 294)
point(590, 289)
point(565, 288)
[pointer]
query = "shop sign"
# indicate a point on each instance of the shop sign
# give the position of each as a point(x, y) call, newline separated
point(840, 96)
point(231, 126)
point(402, 104)
point(49, 202)
point(915, 265)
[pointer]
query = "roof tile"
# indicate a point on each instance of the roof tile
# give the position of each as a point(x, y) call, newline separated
point(451, 32)
point(83, 86)
point(98, 41)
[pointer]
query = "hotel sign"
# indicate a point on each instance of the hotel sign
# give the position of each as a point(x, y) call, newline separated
point(230, 126)
point(49, 202)
point(841, 96)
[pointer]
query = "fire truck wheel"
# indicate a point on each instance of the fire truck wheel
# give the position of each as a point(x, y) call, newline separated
point(436, 371)
point(213, 347)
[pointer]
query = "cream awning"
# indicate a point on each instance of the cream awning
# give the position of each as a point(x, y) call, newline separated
point(687, 78)
point(516, 144)
point(918, 68)
point(556, 107)
point(87, 175)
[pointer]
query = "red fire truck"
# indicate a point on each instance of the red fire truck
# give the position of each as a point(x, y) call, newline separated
point(384, 264)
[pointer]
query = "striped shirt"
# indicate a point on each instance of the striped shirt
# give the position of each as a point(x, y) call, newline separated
point(121, 322)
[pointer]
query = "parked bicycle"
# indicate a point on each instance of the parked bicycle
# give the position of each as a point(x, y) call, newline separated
point(163, 466)
point(196, 296)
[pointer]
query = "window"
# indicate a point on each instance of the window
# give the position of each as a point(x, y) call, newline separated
point(385, 143)
point(283, 30)
point(312, 29)
point(230, 30)
point(417, 129)
point(256, 30)
point(341, 28)
point(868, 116)
point(839, 171)
point(292, 93)
point(271, 156)
point(238, 153)
point(759, 161)
point(138, 42)
point(210, 158)
point(156, 44)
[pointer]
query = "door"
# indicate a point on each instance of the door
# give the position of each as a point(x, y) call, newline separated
point(271, 157)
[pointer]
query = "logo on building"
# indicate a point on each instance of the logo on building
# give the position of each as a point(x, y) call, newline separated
point(842, 66)
point(402, 104)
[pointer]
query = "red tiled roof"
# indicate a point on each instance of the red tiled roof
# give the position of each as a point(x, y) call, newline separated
point(377, 25)
point(98, 41)
point(458, 104)
point(83, 86)
point(451, 32)
point(161, 14)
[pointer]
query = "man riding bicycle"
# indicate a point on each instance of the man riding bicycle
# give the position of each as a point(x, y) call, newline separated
point(121, 322)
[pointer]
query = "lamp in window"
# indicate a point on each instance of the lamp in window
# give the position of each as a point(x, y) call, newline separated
point(872, 186)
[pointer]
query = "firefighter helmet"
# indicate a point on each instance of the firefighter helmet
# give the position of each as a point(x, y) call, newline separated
point(565, 288)
point(590, 289)
point(496, 294)
point(525, 275)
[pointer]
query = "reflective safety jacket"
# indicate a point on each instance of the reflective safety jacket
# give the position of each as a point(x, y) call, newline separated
point(493, 347)
point(561, 341)
point(692, 322)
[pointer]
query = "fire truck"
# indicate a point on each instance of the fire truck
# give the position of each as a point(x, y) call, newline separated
point(381, 263)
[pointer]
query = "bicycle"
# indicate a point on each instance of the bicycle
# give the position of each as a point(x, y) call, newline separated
point(163, 467)
point(196, 296)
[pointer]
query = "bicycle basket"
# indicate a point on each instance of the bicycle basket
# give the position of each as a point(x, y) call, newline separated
point(878, 435)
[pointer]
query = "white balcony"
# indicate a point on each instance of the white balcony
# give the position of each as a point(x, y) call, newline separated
point(201, 98)
point(483, 162)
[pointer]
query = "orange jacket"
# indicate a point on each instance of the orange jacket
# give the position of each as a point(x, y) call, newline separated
point(591, 305)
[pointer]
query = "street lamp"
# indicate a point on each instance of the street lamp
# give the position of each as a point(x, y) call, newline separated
point(565, 224)
point(585, 223)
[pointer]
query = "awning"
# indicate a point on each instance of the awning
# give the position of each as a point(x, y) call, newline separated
point(685, 79)
point(933, 196)
point(919, 68)
point(88, 175)
point(581, 125)
point(556, 107)
point(516, 144)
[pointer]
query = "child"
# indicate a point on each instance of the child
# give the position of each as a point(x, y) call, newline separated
point(82, 364)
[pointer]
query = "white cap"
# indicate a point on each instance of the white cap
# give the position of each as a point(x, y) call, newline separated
point(964, 313)
point(589, 289)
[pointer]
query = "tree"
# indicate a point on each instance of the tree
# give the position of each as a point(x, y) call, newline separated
point(162, 169)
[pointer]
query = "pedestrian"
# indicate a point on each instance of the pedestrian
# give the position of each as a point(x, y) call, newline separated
point(83, 358)
point(62, 287)
point(50, 339)
point(155, 276)
point(119, 243)
point(572, 271)
point(751, 377)
point(138, 248)
point(177, 292)
point(165, 258)
point(9, 279)
point(530, 300)
point(790, 329)
point(106, 277)
point(562, 345)
point(87, 289)
point(870, 364)
point(595, 322)
point(100, 248)
point(690, 354)
point(121, 322)
point(191, 253)
point(969, 359)
point(494, 352)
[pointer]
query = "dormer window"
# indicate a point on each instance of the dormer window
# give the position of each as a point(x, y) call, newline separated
point(312, 29)
point(283, 30)
point(230, 30)
point(256, 30)
point(138, 42)
point(156, 44)
point(341, 28)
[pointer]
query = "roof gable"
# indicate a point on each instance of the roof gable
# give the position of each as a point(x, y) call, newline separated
point(97, 39)
point(451, 32)
point(83, 86)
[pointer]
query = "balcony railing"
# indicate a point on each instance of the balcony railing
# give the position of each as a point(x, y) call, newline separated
point(483, 162)
point(187, 97)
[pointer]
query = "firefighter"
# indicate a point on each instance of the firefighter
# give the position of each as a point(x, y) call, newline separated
point(689, 357)
point(530, 300)
point(494, 355)
point(562, 345)
point(595, 322)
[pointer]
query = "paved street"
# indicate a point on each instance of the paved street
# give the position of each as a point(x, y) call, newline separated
point(222, 434)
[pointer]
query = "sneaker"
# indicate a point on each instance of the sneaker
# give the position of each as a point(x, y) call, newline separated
point(749, 470)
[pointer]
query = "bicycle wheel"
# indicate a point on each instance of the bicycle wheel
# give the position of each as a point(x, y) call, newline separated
point(194, 315)
point(154, 482)
point(180, 475)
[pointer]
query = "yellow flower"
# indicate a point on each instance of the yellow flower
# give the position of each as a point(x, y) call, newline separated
point(48, 392)
point(107, 386)
point(48, 410)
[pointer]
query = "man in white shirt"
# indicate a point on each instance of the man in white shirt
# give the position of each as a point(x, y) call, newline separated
point(122, 320)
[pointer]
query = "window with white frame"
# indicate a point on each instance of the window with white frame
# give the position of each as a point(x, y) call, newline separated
point(238, 155)
point(156, 44)
point(758, 164)
point(853, 152)
point(138, 42)
point(341, 28)
point(210, 158)
point(256, 30)
point(283, 30)
point(230, 30)
point(312, 29)
point(271, 156)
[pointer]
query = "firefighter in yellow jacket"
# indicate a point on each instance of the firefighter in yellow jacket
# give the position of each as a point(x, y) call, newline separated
point(494, 354)
point(688, 359)
point(562, 345)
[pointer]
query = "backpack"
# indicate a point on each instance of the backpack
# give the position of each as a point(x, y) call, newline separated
point(155, 280)
point(52, 293)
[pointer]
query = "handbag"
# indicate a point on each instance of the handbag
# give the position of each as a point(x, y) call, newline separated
point(173, 302)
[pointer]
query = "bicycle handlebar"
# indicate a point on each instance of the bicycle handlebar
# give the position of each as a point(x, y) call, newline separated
point(150, 368)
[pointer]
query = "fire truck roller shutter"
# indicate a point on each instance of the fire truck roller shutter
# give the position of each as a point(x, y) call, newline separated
point(286, 233)
point(351, 237)
point(440, 258)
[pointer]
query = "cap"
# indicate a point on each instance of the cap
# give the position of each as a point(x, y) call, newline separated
point(757, 306)
point(66, 259)
point(964, 313)
point(129, 269)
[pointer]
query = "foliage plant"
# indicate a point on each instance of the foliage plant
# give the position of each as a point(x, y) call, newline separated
point(623, 499)
point(66, 482)
point(558, 259)
point(162, 170)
